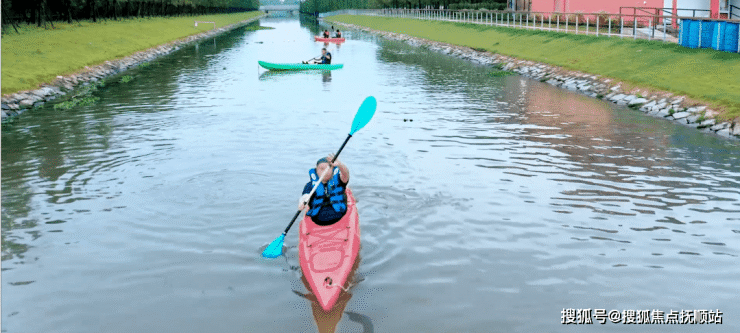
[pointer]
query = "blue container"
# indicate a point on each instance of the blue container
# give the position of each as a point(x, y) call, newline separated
point(690, 33)
point(707, 32)
point(725, 37)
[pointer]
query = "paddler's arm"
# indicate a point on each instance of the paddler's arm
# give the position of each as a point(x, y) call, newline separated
point(343, 171)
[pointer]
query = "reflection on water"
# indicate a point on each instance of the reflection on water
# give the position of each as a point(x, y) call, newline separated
point(279, 75)
point(326, 322)
point(504, 201)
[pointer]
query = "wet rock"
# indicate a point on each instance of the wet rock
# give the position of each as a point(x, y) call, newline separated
point(693, 118)
point(637, 101)
point(26, 103)
point(664, 113)
point(570, 86)
point(5, 106)
point(725, 132)
point(618, 97)
point(708, 123)
point(680, 115)
point(57, 91)
point(43, 92)
point(736, 130)
point(720, 126)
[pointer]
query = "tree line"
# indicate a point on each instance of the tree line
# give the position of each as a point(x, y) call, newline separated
point(322, 6)
point(40, 12)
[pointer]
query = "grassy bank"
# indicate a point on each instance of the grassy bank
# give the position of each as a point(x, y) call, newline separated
point(37, 55)
point(710, 76)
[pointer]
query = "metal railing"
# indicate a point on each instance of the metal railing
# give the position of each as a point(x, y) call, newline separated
point(206, 22)
point(668, 11)
point(598, 24)
point(636, 26)
point(344, 12)
point(734, 11)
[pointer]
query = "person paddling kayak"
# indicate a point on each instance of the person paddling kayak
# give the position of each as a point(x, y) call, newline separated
point(326, 33)
point(338, 35)
point(329, 203)
point(325, 58)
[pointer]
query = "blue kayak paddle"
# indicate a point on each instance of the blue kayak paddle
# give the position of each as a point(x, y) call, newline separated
point(363, 116)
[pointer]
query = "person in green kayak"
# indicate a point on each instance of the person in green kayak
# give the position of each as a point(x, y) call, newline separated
point(325, 58)
point(329, 203)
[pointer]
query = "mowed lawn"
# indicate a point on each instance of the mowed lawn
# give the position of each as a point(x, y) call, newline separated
point(38, 55)
point(706, 75)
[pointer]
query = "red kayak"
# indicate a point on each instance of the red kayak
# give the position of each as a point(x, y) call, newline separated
point(327, 253)
point(330, 40)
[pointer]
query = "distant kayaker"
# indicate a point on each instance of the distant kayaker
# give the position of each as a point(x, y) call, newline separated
point(329, 203)
point(325, 58)
point(338, 35)
point(326, 34)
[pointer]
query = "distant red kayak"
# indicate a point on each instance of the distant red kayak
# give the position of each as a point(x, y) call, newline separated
point(327, 253)
point(330, 40)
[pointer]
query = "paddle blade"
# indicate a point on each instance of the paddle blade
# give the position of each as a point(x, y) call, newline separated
point(364, 114)
point(275, 249)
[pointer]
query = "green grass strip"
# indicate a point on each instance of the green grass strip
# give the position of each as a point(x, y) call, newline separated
point(37, 55)
point(706, 75)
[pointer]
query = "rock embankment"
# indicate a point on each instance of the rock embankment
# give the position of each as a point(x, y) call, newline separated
point(14, 104)
point(679, 109)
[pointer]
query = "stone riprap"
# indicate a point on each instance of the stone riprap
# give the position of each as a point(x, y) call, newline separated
point(17, 103)
point(655, 103)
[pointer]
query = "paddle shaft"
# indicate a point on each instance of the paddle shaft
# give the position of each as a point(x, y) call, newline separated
point(318, 183)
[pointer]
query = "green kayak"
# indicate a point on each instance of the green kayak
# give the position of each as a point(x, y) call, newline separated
point(294, 67)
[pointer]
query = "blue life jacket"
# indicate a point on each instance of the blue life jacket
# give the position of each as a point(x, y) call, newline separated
point(333, 195)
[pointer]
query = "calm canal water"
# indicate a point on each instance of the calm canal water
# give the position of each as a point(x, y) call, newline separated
point(503, 202)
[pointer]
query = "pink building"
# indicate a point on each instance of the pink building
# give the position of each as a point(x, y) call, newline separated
point(705, 8)
point(589, 6)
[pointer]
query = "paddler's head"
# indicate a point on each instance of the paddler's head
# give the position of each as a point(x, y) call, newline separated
point(321, 166)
